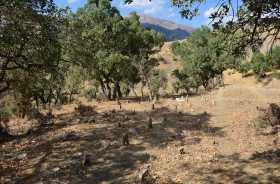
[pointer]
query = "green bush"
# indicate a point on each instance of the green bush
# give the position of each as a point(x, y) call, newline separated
point(63, 99)
point(244, 68)
point(90, 93)
point(261, 64)
point(7, 109)
point(160, 58)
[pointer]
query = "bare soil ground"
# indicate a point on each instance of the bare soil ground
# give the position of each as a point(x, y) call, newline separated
point(225, 145)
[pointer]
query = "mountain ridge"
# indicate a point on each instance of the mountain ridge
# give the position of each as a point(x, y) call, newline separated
point(166, 27)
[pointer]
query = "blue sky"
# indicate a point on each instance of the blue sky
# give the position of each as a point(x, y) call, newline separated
point(156, 8)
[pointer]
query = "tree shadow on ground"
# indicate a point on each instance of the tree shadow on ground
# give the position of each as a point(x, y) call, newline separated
point(260, 168)
point(100, 141)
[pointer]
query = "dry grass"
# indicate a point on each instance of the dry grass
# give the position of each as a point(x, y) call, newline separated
point(221, 146)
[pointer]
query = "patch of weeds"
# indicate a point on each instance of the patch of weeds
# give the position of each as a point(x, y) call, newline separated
point(261, 122)
point(275, 74)
point(84, 110)
point(41, 118)
point(160, 58)
point(258, 79)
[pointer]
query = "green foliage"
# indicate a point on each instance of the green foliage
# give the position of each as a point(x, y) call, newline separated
point(90, 93)
point(275, 56)
point(175, 47)
point(8, 106)
point(160, 58)
point(158, 80)
point(63, 99)
point(184, 81)
point(109, 46)
point(261, 64)
point(29, 38)
point(275, 74)
point(244, 68)
point(203, 56)
point(255, 20)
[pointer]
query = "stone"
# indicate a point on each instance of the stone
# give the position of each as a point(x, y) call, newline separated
point(91, 120)
point(64, 167)
point(175, 108)
point(77, 155)
point(150, 123)
point(75, 162)
point(86, 161)
point(125, 140)
point(20, 156)
point(142, 174)
point(164, 119)
point(56, 169)
point(181, 150)
point(8, 155)
point(15, 182)
point(152, 158)
point(126, 118)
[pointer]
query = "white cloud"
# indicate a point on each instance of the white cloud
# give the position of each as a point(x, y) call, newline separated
point(72, 1)
point(208, 13)
point(169, 15)
point(140, 4)
point(153, 10)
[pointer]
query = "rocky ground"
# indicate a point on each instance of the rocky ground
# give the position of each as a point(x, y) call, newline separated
point(214, 138)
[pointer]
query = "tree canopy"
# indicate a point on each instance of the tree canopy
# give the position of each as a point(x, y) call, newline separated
point(202, 56)
point(108, 45)
point(29, 38)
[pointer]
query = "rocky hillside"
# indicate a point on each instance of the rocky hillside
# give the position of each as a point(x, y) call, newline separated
point(166, 27)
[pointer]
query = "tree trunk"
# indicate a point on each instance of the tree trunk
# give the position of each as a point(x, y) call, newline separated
point(221, 80)
point(70, 97)
point(142, 87)
point(205, 84)
point(196, 89)
point(132, 87)
point(149, 90)
point(36, 100)
point(118, 89)
point(187, 90)
point(107, 88)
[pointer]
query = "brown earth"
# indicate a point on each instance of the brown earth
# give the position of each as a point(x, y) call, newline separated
point(225, 145)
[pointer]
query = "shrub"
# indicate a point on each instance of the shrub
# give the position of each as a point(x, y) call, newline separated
point(84, 110)
point(90, 93)
point(261, 64)
point(160, 58)
point(244, 68)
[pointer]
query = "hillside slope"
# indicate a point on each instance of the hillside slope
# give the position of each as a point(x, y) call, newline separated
point(168, 28)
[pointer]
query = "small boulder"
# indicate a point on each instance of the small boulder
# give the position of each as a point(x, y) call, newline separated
point(181, 150)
